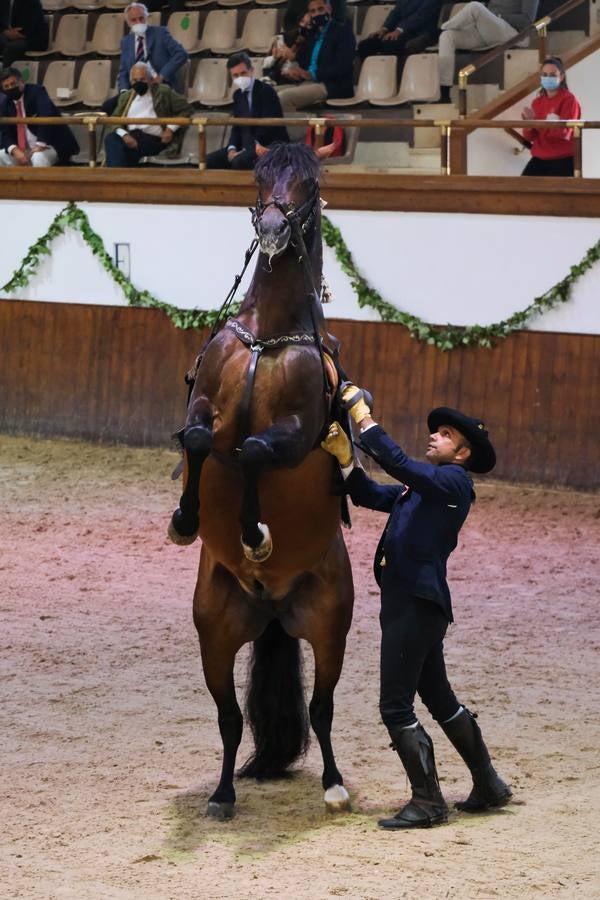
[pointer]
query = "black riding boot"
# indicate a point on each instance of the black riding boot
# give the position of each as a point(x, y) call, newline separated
point(488, 788)
point(426, 806)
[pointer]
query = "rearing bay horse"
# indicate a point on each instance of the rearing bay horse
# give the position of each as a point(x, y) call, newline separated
point(257, 490)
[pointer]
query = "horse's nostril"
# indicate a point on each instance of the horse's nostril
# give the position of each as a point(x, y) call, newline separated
point(282, 227)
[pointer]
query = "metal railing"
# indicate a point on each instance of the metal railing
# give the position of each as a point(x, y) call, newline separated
point(453, 132)
point(541, 30)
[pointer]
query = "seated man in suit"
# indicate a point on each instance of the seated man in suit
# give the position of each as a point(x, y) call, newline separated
point(31, 145)
point(126, 145)
point(324, 61)
point(410, 26)
point(255, 99)
point(151, 44)
point(22, 27)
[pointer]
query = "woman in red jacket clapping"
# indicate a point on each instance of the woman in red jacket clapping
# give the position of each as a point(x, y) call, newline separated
point(552, 149)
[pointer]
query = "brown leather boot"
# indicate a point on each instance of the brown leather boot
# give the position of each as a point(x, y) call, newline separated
point(488, 788)
point(426, 807)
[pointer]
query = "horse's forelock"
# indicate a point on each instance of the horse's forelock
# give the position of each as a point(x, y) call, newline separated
point(300, 159)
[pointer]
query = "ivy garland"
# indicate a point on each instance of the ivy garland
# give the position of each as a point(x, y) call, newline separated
point(445, 337)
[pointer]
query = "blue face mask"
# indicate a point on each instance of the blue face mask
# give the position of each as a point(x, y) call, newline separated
point(550, 82)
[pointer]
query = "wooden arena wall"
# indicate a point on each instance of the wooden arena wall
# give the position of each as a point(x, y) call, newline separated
point(116, 374)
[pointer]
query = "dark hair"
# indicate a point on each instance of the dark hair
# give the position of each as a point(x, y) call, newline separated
point(9, 72)
point(236, 58)
point(302, 160)
point(556, 61)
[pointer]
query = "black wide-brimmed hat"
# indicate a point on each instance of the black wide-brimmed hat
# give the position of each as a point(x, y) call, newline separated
point(483, 455)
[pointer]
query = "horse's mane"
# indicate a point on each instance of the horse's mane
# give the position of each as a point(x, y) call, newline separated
point(300, 158)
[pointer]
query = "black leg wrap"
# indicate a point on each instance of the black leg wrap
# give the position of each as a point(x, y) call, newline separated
point(427, 806)
point(489, 790)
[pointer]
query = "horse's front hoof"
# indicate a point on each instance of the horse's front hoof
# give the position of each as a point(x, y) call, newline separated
point(183, 540)
point(220, 811)
point(265, 548)
point(337, 799)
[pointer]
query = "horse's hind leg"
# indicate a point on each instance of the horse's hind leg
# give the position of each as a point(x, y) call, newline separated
point(197, 442)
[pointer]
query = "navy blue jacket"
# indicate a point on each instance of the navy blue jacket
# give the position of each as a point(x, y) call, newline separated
point(164, 53)
point(335, 64)
point(422, 530)
point(414, 16)
point(37, 103)
point(265, 105)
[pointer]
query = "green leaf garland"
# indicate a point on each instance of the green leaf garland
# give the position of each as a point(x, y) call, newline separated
point(444, 337)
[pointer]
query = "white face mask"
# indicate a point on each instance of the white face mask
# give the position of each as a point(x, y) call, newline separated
point(139, 29)
point(242, 82)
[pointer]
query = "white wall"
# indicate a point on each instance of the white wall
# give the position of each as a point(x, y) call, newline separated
point(457, 268)
point(490, 151)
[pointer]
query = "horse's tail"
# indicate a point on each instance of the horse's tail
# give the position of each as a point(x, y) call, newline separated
point(275, 705)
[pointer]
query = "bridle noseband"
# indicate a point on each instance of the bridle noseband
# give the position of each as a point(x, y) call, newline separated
point(299, 217)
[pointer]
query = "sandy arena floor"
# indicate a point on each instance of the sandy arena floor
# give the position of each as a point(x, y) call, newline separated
point(110, 744)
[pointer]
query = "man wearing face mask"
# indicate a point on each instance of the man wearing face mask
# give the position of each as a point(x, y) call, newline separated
point(153, 45)
point(255, 99)
point(31, 145)
point(125, 146)
point(324, 62)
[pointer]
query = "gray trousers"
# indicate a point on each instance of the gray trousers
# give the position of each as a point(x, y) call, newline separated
point(296, 96)
point(474, 27)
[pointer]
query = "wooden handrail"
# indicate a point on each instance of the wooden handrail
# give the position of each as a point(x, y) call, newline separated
point(541, 29)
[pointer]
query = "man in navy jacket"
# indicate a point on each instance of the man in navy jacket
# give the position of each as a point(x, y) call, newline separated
point(31, 145)
point(324, 62)
point(251, 99)
point(411, 22)
point(22, 27)
point(151, 44)
point(427, 508)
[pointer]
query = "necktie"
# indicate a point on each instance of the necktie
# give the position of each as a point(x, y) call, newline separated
point(21, 129)
point(139, 51)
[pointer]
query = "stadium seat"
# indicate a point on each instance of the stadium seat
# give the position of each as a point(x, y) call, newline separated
point(377, 81)
point(257, 65)
point(258, 30)
point(108, 32)
point(233, 2)
point(29, 70)
point(270, 2)
point(54, 5)
point(94, 83)
point(196, 4)
point(211, 84)
point(117, 4)
point(374, 18)
point(70, 38)
point(219, 31)
point(59, 74)
point(420, 81)
point(183, 26)
point(154, 18)
point(86, 5)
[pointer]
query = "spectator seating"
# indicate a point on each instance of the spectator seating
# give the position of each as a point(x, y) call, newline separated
point(219, 33)
point(233, 2)
point(374, 19)
point(29, 70)
point(210, 85)
point(183, 26)
point(270, 2)
point(60, 74)
point(196, 4)
point(94, 85)
point(420, 81)
point(53, 5)
point(259, 27)
point(86, 5)
point(69, 39)
point(106, 40)
point(377, 81)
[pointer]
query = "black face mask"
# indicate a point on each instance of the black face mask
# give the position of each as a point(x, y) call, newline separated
point(304, 30)
point(14, 93)
point(321, 21)
point(140, 87)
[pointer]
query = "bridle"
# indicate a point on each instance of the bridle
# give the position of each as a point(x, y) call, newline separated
point(299, 217)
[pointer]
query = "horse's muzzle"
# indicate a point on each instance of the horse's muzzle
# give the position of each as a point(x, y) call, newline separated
point(274, 235)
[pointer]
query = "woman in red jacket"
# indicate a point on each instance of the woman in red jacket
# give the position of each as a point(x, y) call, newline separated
point(552, 149)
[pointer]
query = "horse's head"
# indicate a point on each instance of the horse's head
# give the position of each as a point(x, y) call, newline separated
point(288, 196)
